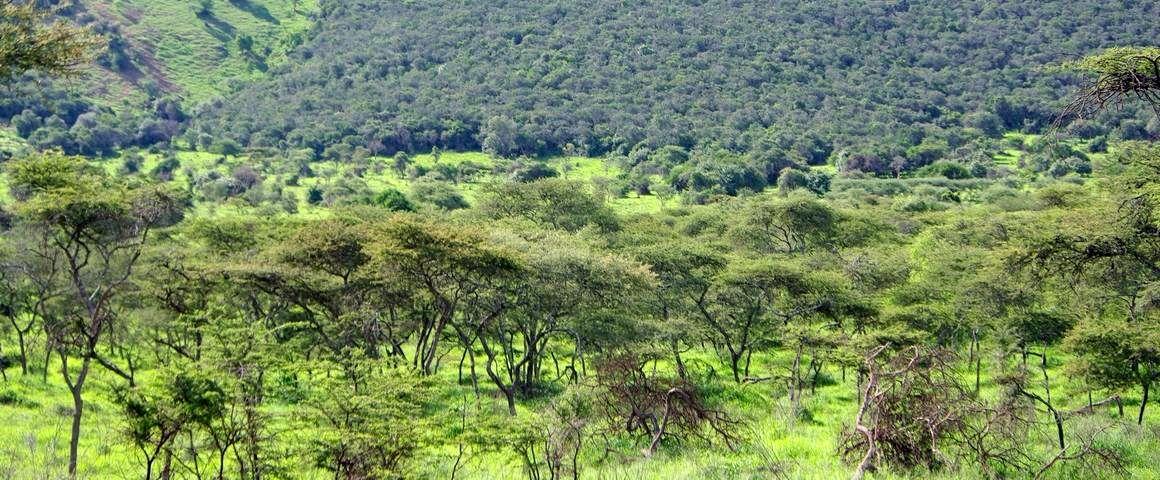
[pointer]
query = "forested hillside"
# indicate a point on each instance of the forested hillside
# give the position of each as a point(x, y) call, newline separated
point(532, 77)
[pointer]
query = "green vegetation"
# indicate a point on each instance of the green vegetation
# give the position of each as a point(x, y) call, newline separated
point(158, 60)
point(199, 51)
point(401, 247)
point(1123, 73)
point(796, 80)
point(30, 41)
point(758, 310)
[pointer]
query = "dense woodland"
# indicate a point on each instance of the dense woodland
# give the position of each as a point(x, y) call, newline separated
point(797, 79)
point(659, 240)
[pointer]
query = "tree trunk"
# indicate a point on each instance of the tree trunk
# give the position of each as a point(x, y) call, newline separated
point(978, 368)
point(1143, 403)
point(167, 467)
point(1059, 428)
point(23, 352)
point(681, 372)
point(976, 356)
point(795, 380)
point(530, 374)
point(474, 376)
point(462, 360)
point(75, 388)
point(748, 360)
point(735, 365)
point(47, 360)
point(508, 394)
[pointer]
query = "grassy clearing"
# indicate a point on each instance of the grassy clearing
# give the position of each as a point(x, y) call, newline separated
point(1014, 145)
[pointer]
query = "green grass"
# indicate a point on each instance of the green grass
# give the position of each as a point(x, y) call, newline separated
point(583, 168)
point(34, 436)
point(198, 56)
point(1009, 156)
point(827, 169)
point(634, 204)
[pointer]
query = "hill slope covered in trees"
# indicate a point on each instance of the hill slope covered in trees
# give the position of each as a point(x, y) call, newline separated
point(524, 77)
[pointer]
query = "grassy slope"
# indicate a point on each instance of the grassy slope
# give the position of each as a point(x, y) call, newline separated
point(196, 57)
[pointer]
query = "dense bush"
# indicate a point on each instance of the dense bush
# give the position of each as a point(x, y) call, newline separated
point(798, 78)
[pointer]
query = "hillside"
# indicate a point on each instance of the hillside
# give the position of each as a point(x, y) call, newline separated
point(193, 50)
point(531, 77)
point(159, 59)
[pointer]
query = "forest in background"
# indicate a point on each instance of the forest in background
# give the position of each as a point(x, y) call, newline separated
point(796, 80)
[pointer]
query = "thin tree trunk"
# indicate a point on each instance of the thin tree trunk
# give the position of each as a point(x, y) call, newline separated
point(474, 376)
point(149, 467)
point(681, 372)
point(75, 388)
point(735, 365)
point(748, 360)
point(47, 360)
point(976, 356)
point(1143, 403)
point(794, 382)
point(462, 360)
point(978, 368)
point(495, 378)
point(23, 353)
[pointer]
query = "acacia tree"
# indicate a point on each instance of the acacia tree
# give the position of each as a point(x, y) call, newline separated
point(1121, 73)
point(1110, 254)
point(456, 270)
point(323, 269)
point(20, 300)
point(98, 228)
point(29, 41)
point(749, 301)
point(1120, 354)
point(684, 273)
point(367, 429)
point(246, 343)
point(553, 202)
point(566, 291)
point(795, 224)
point(211, 319)
point(183, 402)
